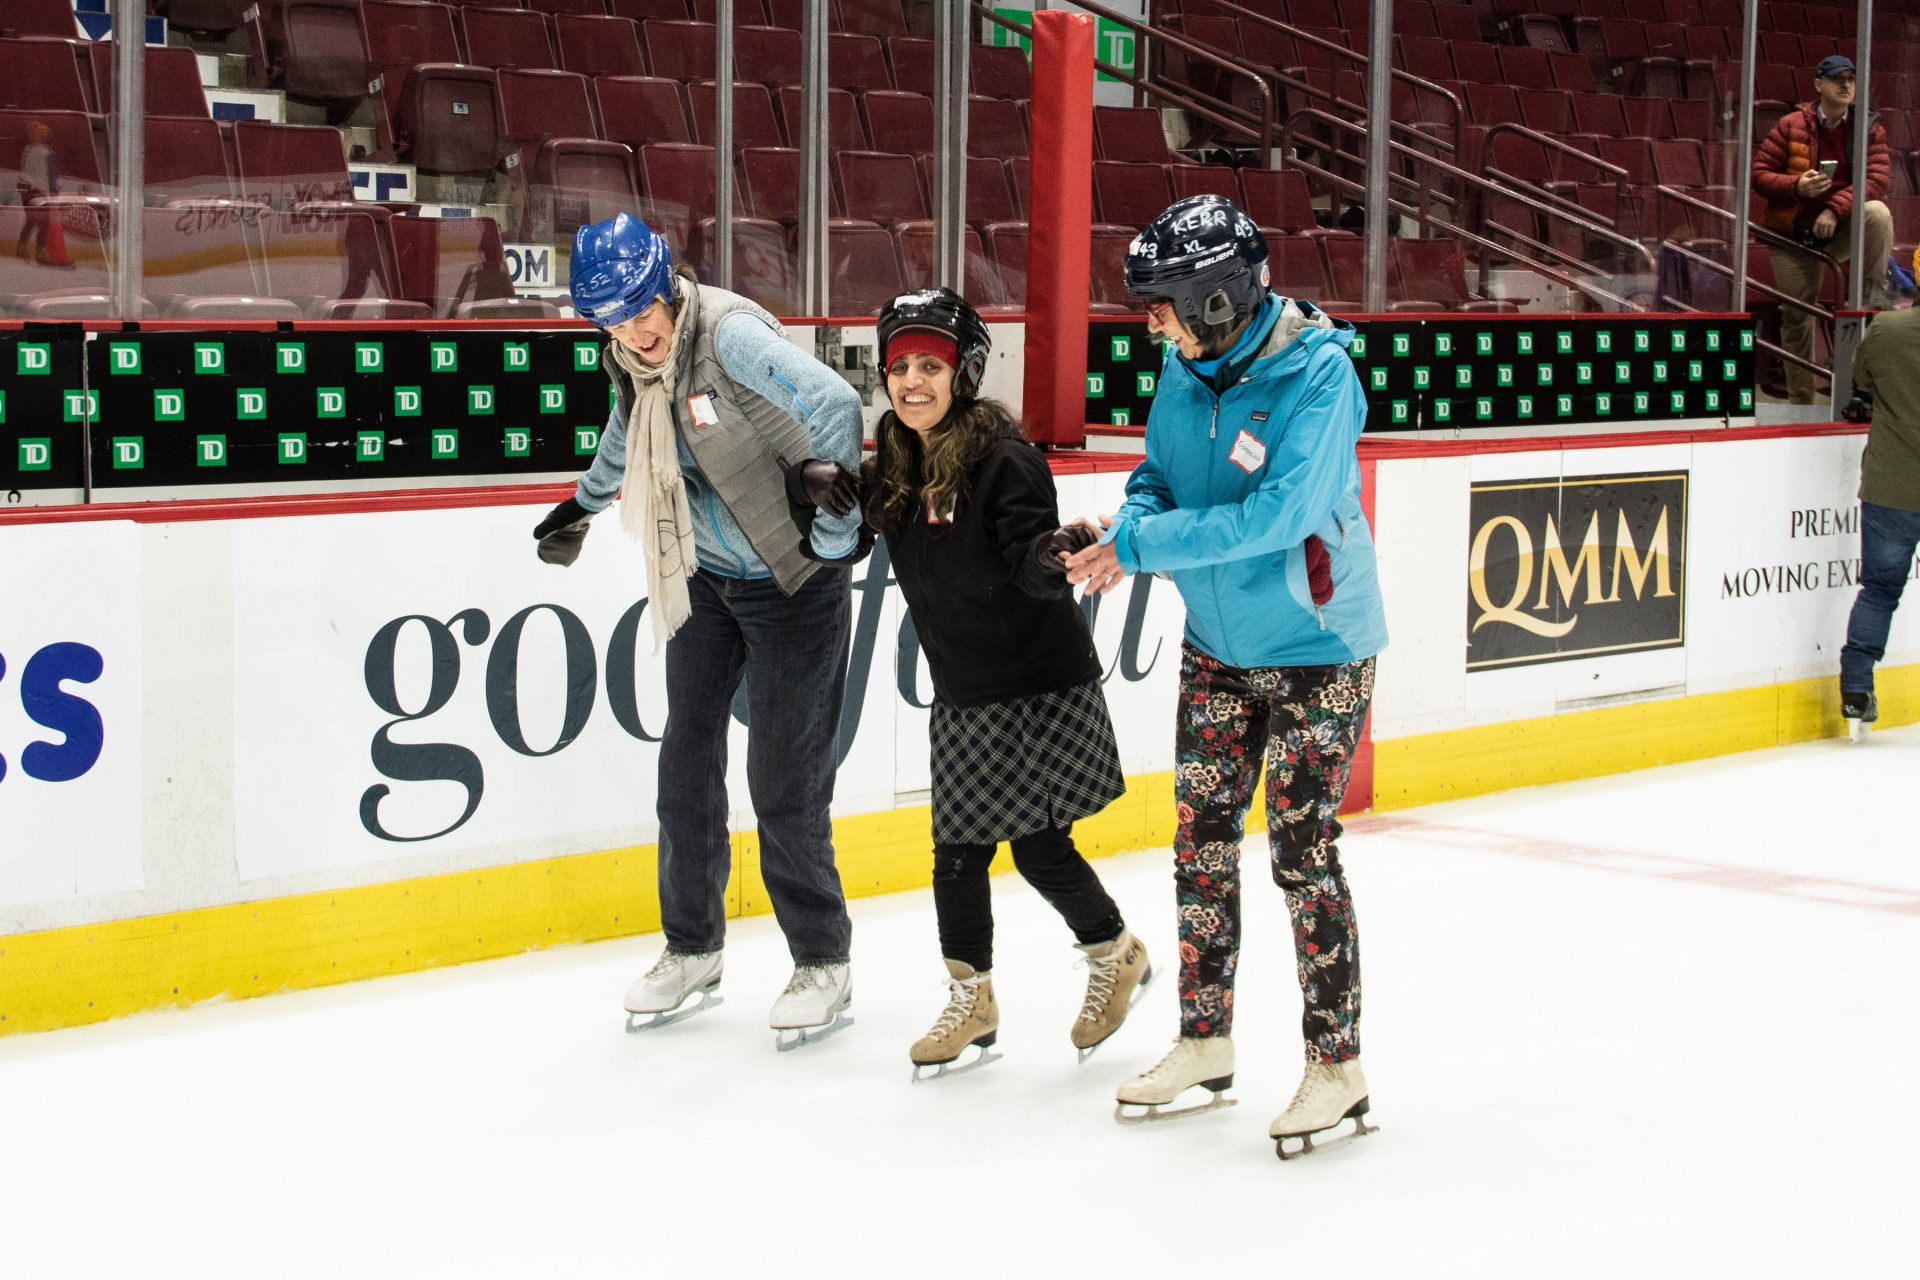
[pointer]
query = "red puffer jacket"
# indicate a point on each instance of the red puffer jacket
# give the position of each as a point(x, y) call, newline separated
point(1789, 151)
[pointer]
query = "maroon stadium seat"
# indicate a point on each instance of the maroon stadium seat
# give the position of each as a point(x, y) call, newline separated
point(879, 186)
point(1007, 250)
point(994, 128)
point(43, 74)
point(322, 258)
point(915, 244)
point(449, 262)
point(574, 8)
point(285, 165)
point(845, 131)
point(1296, 266)
point(1130, 133)
point(201, 252)
point(185, 160)
point(324, 55)
point(1129, 192)
point(767, 55)
point(899, 121)
point(862, 268)
point(568, 176)
point(1108, 270)
point(1277, 198)
point(1204, 180)
point(637, 110)
point(173, 82)
point(881, 18)
point(400, 35)
point(450, 119)
point(208, 17)
point(508, 38)
point(745, 12)
point(768, 180)
point(38, 18)
point(642, 10)
point(999, 71)
point(753, 121)
point(912, 61)
point(599, 46)
point(679, 50)
point(858, 62)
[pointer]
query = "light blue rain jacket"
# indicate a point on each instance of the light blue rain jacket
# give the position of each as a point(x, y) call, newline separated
point(1233, 487)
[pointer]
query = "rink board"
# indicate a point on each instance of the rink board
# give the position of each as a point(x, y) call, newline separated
point(322, 744)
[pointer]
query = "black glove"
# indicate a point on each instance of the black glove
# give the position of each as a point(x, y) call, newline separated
point(862, 548)
point(562, 532)
point(1048, 547)
point(1859, 409)
point(826, 485)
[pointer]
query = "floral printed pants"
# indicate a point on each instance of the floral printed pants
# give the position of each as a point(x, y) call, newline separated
point(1304, 723)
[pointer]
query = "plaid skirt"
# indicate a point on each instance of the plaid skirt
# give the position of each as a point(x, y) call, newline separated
point(1007, 769)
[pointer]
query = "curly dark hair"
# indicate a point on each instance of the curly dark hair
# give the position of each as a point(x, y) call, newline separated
point(902, 468)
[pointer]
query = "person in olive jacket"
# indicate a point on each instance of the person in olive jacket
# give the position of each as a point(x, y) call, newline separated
point(1022, 744)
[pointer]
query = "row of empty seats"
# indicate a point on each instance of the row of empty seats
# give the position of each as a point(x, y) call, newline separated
point(214, 260)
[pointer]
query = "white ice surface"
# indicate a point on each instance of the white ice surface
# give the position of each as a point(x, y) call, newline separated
point(1658, 1025)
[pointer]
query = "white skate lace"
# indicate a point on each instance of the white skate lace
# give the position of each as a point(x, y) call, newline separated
point(668, 962)
point(1320, 1078)
point(809, 975)
point(1103, 976)
point(1182, 1050)
point(961, 994)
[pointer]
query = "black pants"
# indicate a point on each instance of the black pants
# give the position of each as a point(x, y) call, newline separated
point(964, 902)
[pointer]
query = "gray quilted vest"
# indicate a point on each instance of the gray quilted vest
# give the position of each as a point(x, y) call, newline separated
point(737, 453)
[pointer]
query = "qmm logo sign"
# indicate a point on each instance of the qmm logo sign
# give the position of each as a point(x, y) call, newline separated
point(1576, 567)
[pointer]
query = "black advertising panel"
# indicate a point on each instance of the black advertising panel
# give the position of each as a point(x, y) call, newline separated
point(171, 410)
point(42, 413)
point(1575, 567)
point(1493, 371)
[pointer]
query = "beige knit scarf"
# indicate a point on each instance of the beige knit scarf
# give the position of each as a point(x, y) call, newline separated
point(653, 499)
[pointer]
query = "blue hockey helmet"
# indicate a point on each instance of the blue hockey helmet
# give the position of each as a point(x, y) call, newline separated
point(1203, 255)
point(619, 268)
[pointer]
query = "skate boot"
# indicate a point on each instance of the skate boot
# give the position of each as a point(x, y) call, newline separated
point(1203, 1061)
point(1117, 976)
point(676, 977)
point(971, 1020)
point(813, 1004)
point(1329, 1093)
point(1860, 709)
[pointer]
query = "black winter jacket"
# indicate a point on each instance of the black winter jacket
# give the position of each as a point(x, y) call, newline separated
point(995, 621)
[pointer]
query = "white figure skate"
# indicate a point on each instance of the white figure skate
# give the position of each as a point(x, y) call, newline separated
point(813, 1005)
point(676, 978)
point(1859, 710)
point(1203, 1061)
point(1329, 1093)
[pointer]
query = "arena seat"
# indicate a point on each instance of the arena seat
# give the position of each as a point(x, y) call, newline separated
point(1130, 192)
point(883, 18)
point(286, 165)
point(39, 73)
point(643, 10)
point(448, 263)
point(400, 35)
point(989, 197)
point(754, 124)
point(1130, 133)
point(332, 262)
point(567, 175)
point(185, 160)
point(862, 267)
point(637, 110)
point(599, 45)
point(858, 62)
point(766, 55)
point(201, 251)
point(994, 127)
point(999, 71)
point(679, 50)
point(571, 8)
point(899, 121)
point(1007, 249)
point(508, 38)
point(916, 245)
point(1296, 266)
point(207, 17)
point(912, 60)
point(768, 181)
point(172, 77)
point(322, 52)
point(38, 18)
point(845, 130)
point(450, 119)
point(1277, 198)
point(879, 186)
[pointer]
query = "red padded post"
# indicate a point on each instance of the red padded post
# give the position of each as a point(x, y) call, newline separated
point(1060, 215)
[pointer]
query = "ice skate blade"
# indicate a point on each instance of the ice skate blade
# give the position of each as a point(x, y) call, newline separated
point(1146, 980)
point(1152, 1111)
point(679, 1013)
point(787, 1038)
point(926, 1071)
point(1306, 1140)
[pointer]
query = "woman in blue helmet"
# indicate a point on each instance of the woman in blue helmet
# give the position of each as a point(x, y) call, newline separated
point(1249, 498)
point(719, 425)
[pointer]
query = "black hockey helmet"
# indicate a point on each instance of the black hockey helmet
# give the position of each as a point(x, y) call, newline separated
point(944, 312)
point(1205, 256)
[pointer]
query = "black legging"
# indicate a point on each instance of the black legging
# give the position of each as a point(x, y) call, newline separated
point(964, 904)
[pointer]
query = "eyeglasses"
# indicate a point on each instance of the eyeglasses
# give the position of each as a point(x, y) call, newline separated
point(1159, 312)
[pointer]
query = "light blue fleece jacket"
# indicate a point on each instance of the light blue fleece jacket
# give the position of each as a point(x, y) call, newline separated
point(1233, 486)
point(819, 399)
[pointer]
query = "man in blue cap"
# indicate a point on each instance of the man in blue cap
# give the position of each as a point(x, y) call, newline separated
point(1804, 171)
point(720, 429)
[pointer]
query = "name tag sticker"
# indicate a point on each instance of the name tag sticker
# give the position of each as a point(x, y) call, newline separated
point(1248, 453)
point(701, 407)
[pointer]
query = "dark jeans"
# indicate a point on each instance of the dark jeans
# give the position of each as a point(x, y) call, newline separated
point(792, 651)
point(963, 900)
point(1888, 536)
